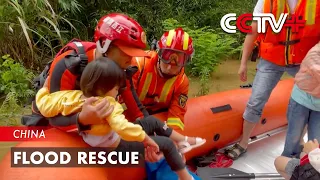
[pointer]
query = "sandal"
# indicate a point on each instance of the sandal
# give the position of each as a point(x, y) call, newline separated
point(188, 147)
point(235, 154)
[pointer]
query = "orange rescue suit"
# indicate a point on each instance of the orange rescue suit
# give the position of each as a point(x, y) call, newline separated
point(157, 94)
point(287, 47)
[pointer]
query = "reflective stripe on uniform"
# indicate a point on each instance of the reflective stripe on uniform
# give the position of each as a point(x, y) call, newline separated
point(145, 87)
point(310, 12)
point(166, 88)
point(280, 9)
point(173, 121)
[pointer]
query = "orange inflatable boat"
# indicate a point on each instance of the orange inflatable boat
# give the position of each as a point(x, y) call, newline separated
point(216, 117)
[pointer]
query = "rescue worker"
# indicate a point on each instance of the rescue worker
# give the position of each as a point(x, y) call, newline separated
point(117, 37)
point(160, 83)
point(279, 53)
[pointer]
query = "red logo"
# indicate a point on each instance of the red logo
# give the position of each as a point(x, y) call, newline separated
point(294, 22)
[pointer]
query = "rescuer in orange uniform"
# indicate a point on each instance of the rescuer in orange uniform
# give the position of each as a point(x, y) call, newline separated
point(118, 37)
point(160, 82)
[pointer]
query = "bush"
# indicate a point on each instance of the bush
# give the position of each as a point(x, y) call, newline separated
point(33, 31)
point(15, 86)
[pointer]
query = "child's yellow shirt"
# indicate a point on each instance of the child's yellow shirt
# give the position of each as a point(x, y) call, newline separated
point(69, 101)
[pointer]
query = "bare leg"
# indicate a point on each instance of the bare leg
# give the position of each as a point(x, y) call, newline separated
point(177, 137)
point(152, 125)
point(184, 174)
point(280, 164)
point(244, 141)
point(247, 130)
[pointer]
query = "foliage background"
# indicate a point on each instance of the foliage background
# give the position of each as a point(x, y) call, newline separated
point(33, 31)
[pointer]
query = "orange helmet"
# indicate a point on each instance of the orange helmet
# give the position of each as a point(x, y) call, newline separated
point(176, 45)
point(122, 30)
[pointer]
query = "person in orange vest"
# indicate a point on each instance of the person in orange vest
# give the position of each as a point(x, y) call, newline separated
point(117, 37)
point(279, 53)
point(160, 82)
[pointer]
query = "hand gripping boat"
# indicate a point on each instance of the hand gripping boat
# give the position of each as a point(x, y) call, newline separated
point(216, 117)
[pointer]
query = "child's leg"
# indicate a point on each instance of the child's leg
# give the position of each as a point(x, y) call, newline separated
point(173, 157)
point(169, 150)
point(151, 124)
point(285, 166)
point(297, 116)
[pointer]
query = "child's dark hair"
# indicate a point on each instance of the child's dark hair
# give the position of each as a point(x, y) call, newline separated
point(100, 76)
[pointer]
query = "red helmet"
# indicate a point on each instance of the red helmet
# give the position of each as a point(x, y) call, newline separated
point(123, 31)
point(176, 43)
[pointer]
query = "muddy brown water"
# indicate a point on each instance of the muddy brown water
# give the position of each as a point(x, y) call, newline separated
point(224, 78)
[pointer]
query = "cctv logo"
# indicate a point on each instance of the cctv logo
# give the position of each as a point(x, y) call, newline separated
point(294, 22)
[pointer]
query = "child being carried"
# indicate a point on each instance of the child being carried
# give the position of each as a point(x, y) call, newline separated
point(102, 78)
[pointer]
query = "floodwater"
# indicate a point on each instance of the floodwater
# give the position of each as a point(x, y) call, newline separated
point(225, 78)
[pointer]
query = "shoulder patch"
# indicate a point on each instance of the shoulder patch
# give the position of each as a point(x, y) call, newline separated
point(183, 100)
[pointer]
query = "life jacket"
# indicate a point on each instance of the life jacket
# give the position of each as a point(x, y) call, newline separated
point(77, 48)
point(74, 51)
point(289, 48)
point(148, 85)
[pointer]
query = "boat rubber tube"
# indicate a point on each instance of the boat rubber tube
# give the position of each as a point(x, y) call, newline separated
point(215, 117)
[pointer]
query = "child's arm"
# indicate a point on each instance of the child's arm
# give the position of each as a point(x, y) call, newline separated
point(126, 130)
point(61, 102)
point(314, 159)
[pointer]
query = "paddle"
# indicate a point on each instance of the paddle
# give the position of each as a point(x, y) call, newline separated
point(230, 173)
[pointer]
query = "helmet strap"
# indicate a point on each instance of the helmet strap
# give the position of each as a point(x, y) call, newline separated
point(105, 47)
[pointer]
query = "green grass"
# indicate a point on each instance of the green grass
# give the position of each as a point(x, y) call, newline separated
point(14, 119)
